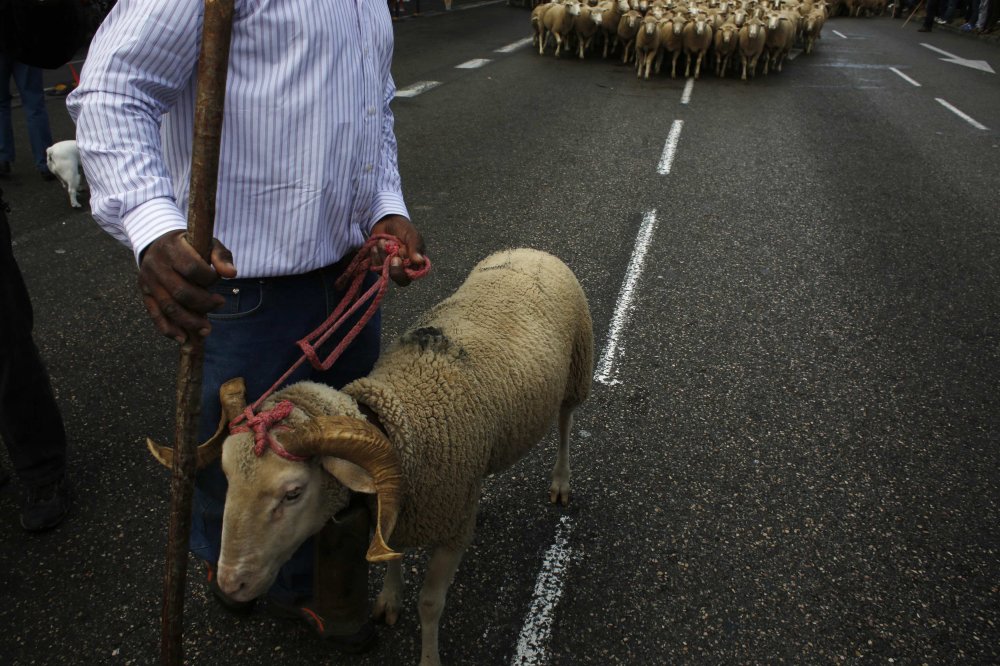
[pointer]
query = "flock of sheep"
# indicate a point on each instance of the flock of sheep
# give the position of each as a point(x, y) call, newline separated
point(647, 31)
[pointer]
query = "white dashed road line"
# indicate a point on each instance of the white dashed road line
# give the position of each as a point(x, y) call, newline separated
point(686, 95)
point(840, 34)
point(605, 374)
point(532, 644)
point(473, 64)
point(967, 118)
point(476, 5)
point(417, 88)
point(515, 46)
point(905, 77)
point(670, 148)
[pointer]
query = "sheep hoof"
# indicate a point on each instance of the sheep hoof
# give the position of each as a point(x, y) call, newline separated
point(386, 610)
point(559, 493)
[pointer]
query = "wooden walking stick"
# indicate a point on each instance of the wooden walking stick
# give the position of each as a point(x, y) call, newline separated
point(213, 64)
point(915, 10)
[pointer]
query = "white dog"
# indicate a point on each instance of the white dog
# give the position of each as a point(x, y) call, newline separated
point(64, 162)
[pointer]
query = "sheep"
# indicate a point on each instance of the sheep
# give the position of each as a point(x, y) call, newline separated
point(697, 40)
point(727, 40)
point(613, 11)
point(558, 22)
point(628, 27)
point(586, 25)
point(813, 28)
point(779, 40)
point(752, 37)
point(671, 41)
point(464, 394)
point(538, 29)
point(647, 45)
point(63, 160)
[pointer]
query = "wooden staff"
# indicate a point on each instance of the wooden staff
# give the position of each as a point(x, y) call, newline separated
point(915, 10)
point(213, 64)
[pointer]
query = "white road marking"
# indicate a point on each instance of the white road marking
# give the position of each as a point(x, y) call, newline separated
point(417, 88)
point(669, 148)
point(794, 53)
point(532, 644)
point(981, 65)
point(840, 34)
point(473, 64)
point(905, 77)
point(476, 5)
point(686, 95)
point(515, 46)
point(961, 115)
point(604, 373)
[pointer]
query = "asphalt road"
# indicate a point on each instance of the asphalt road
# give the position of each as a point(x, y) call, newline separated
point(792, 455)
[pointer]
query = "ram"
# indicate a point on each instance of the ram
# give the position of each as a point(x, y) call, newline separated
point(465, 394)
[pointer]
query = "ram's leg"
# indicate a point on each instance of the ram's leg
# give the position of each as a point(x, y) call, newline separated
point(389, 600)
point(440, 572)
point(559, 490)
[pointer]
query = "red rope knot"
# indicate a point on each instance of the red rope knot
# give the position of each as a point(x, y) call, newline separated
point(262, 424)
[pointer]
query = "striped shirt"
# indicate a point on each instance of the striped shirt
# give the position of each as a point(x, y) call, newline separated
point(308, 155)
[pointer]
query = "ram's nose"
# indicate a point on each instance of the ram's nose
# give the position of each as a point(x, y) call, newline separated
point(232, 582)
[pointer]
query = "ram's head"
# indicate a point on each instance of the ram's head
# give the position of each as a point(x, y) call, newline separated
point(286, 479)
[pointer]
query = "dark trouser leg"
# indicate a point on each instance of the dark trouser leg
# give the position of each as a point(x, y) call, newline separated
point(932, 11)
point(30, 423)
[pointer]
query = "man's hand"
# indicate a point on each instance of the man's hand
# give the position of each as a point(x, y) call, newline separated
point(411, 246)
point(173, 281)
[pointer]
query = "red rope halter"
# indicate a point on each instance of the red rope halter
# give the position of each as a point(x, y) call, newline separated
point(263, 423)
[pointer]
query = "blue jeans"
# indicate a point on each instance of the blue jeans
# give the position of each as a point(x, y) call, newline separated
point(253, 336)
point(29, 85)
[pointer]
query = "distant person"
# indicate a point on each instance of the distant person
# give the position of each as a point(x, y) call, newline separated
point(929, 16)
point(30, 423)
point(29, 84)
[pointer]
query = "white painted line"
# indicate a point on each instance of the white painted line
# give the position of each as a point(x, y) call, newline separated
point(417, 88)
point(476, 5)
point(686, 95)
point(515, 46)
point(620, 318)
point(794, 53)
point(669, 148)
point(905, 77)
point(473, 64)
point(961, 115)
point(532, 644)
point(840, 34)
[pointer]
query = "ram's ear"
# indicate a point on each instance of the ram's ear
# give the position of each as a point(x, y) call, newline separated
point(349, 475)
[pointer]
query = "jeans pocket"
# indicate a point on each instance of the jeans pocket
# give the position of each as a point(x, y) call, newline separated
point(243, 298)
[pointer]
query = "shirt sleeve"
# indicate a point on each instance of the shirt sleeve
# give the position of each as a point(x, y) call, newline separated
point(389, 190)
point(140, 60)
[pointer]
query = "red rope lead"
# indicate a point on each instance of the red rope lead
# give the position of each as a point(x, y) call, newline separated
point(351, 303)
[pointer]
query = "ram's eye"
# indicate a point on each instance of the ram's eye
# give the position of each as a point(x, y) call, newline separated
point(293, 495)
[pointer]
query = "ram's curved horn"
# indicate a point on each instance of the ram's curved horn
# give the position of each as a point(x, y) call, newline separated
point(363, 444)
point(232, 396)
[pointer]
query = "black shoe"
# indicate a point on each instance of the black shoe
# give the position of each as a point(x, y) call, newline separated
point(357, 642)
point(46, 506)
point(4, 168)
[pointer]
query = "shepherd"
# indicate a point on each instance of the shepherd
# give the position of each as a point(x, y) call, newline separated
point(307, 171)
